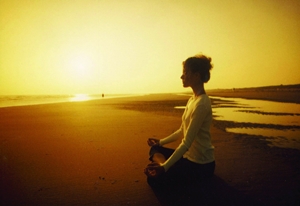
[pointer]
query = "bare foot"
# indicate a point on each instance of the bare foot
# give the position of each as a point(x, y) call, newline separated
point(159, 158)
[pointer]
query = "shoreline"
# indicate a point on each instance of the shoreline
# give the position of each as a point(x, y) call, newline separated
point(29, 100)
point(285, 96)
point(94, 152)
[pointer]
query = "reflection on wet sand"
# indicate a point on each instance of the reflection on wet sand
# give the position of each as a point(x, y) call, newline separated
point(278, 121)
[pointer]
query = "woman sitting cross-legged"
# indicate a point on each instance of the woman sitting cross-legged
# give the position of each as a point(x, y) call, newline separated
point(193, 159)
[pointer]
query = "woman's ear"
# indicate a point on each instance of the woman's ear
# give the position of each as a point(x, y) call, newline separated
point(198, 75)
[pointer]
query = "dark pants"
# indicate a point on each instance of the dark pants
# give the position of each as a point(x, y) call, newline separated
point(182, 172)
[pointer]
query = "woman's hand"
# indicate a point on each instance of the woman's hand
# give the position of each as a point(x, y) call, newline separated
point(154, 169)
point(152, 141)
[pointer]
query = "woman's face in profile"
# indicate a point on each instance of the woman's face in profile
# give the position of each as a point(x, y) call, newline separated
point(186, 77)
point(189, 79)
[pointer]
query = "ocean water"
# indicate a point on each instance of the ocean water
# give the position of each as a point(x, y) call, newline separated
point(21, 100)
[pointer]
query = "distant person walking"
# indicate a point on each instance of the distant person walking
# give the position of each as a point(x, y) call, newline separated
point(193, 159)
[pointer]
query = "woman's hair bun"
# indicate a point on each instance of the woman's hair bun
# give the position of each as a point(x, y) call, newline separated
point(199, 63)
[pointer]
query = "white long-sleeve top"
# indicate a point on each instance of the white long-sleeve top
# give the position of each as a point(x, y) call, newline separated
point(195, 128)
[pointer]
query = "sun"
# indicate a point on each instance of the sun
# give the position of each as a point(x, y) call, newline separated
point(80, 65)
point(82, 69)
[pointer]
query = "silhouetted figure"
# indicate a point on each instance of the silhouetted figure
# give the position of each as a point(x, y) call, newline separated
point(193, 160)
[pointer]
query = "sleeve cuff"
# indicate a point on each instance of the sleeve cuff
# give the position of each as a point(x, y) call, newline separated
point(165, 167)
point(159, 143)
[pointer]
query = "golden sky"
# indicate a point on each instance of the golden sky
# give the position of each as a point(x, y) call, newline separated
point(137, 46)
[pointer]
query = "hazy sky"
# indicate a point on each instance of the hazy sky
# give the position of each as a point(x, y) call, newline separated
point(137, 46)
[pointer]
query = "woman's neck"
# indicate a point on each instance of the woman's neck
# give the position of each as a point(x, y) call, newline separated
point(198, 90)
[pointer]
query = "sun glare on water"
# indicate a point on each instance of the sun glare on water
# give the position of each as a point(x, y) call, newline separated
point(80, 97)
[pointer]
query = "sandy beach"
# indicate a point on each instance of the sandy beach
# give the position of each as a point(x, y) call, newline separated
point(94, 153)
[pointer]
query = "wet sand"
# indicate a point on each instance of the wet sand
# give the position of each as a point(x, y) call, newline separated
point(94, 153)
